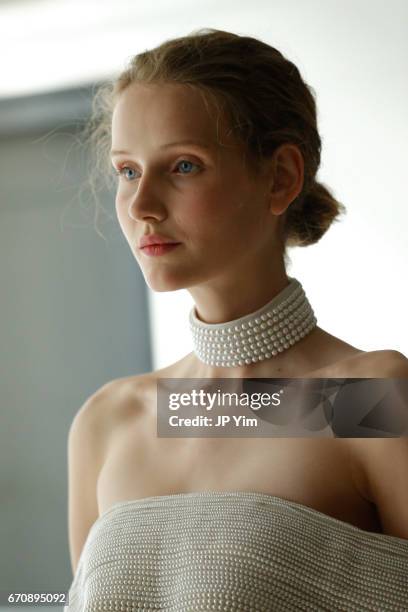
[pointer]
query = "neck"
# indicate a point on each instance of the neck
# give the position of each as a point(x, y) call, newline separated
point(227, 300)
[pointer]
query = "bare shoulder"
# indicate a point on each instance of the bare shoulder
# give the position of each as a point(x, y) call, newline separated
point(109, 405)
point(121, 398)
point(99, 404)
point(126, 397)
point(375, 364)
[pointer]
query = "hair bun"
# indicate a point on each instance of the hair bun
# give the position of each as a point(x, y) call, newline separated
point(309, 217)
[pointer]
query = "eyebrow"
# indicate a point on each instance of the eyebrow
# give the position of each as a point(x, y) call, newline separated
point(196, 143)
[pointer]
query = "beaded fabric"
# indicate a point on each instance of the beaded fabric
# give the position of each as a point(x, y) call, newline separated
point(235, 551)
point(259, 335)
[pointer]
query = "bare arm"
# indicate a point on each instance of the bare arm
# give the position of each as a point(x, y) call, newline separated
point(385, 463)
point(86, 440)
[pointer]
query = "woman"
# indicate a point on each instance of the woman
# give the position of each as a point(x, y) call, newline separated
point(214, 140)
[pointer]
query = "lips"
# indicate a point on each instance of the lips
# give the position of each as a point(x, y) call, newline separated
point(155, 239)
point(154, 250)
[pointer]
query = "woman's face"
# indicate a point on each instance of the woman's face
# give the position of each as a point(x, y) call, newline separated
point(200, 195)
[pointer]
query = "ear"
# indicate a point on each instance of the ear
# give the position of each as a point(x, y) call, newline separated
point(287, 176)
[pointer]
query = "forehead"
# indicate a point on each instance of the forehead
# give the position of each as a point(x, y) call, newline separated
point(161, 113)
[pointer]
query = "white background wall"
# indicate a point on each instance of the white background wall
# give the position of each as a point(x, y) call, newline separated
point(353, 53)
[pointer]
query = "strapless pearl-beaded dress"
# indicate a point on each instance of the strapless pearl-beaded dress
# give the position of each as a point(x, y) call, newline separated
point(235, 551)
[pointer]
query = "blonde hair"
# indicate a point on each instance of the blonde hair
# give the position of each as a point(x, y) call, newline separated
point(265, 100)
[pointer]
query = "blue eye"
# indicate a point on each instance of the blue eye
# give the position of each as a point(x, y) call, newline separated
point(121, 170)
point(185, 161)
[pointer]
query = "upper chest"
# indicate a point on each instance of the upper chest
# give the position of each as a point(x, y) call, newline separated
point(318, 473)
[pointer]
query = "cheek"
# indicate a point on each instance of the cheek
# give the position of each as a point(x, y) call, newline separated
point(223, 218)
point(121, 212)
point(214, 207)
point(119, 200)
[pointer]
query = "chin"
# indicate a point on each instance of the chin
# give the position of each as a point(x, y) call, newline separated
point(163, 283)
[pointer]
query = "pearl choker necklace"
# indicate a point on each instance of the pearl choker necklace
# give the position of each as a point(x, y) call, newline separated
point(260, 335)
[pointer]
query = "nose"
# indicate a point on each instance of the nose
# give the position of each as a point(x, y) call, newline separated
point(145, 204)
